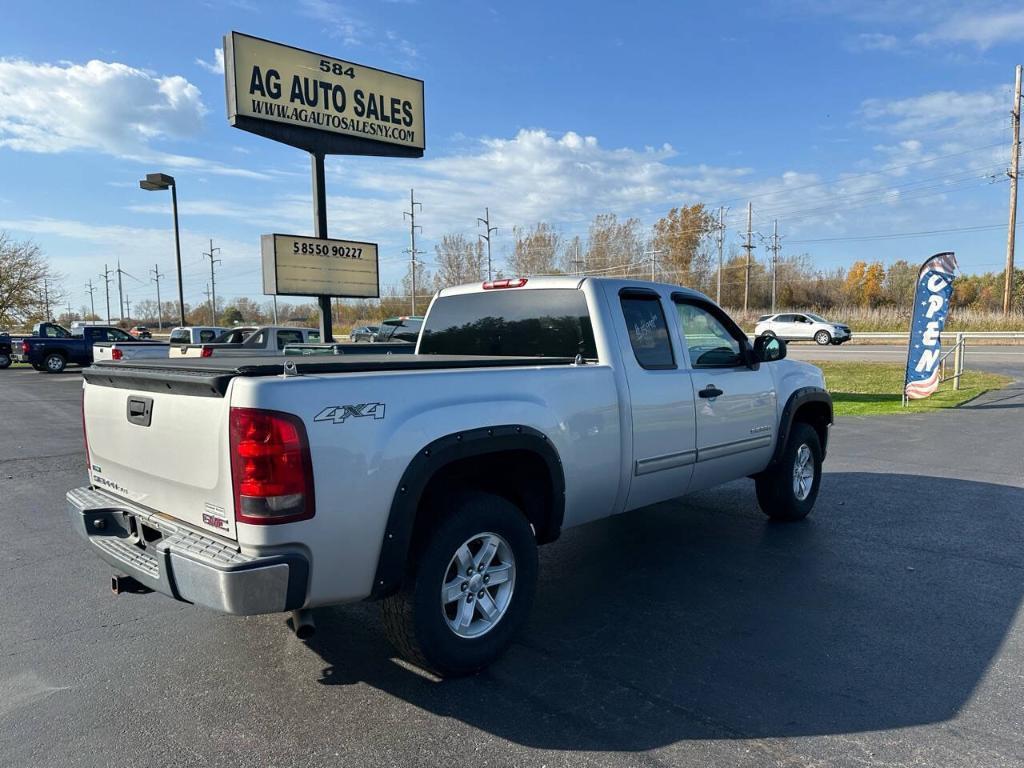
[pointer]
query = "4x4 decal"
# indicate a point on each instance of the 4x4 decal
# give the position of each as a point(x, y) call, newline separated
point(337, 414)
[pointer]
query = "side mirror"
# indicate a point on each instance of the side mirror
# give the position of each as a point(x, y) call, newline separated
point(768, 349)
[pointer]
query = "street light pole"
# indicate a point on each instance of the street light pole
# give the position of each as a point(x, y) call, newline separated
point(160, 181)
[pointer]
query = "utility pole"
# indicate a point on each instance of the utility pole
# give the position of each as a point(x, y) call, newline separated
point(213, 284)
point(70, 315)
point(46, 297)
point(157, 277)
point(92, 304)
point(208, 295)
point(275, 309)
point(120, 291)
point(486, 221)
point(411, 250)
point(721, 244)
point(748, 247)
point(106, 279)
point(775, 262)
point(1014, 165)
point(577, 261)
point(128, 304)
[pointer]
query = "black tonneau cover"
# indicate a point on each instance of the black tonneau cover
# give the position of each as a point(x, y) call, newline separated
point(209, 376)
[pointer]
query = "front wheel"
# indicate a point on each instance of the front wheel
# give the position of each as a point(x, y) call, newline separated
point(5, 360)
point(469, 590)
point(823, 337)
point(788, 490)
point(54, 363)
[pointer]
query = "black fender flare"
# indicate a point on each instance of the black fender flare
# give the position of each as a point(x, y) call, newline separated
point(797, 399)
point(394, 552)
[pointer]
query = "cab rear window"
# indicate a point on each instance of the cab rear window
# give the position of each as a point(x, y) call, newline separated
point(550, 322)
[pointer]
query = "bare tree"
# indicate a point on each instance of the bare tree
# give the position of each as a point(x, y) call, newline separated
point(27, 283)
point(615, 247)
point(459, 260)
point(536, 250)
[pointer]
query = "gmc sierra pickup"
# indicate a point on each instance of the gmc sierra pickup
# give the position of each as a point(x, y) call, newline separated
point(428, 480)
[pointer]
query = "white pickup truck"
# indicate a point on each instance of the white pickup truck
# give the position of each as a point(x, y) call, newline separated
point(268, 340)
point(259, 485)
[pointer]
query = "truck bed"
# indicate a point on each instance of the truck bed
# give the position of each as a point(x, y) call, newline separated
point(209, 377)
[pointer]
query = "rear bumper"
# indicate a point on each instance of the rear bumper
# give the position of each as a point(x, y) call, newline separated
point(182, 563)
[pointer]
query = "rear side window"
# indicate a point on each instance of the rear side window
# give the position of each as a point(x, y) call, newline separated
point(115, 334)
point(180, 337)
point(206, 335)
point(288, 337)
point(552, 322)
point(648, 331)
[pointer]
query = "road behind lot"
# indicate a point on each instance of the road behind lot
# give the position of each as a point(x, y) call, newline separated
point(886, 629)
point(1008, 359)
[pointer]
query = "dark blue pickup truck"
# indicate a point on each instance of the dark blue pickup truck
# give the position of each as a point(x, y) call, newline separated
point(5, 350)
point(52, 347)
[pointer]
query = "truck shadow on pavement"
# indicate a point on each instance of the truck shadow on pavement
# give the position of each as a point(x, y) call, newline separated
point(699, 619)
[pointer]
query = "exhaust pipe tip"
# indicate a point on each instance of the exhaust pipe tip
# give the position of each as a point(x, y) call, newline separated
point(303, 624)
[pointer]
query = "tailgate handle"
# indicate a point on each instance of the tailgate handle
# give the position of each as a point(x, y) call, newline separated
point(140, 410)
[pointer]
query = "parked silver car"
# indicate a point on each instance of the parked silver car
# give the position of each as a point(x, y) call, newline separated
point(802, 326)
point(363, 333)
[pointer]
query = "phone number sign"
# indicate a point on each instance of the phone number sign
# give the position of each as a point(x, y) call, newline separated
point(294, 265)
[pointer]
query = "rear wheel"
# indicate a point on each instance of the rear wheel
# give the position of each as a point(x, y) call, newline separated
point(5, 360)
point(823, 337)
point(54, 363)
point(469, 590)
point(788, 490)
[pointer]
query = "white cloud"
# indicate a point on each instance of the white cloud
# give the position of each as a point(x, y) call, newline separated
point(217, 65)
point(969, 112)
point(340, 21)
point(111, 107)
point(873, 41)
point(104, 107)
point(983, 29)
point(539, 176)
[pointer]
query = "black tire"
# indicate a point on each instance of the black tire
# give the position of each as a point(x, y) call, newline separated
point(5, 360)
point(768, 334)
point(776, 492)
point(823, 337)
point(414, 619)
point(54, 362)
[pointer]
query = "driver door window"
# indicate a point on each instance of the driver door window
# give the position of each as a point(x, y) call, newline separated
point(709, 342)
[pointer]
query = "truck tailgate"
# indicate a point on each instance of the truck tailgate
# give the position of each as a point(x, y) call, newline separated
point(166, 451)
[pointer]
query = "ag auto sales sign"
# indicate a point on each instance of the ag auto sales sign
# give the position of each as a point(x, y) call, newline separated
point(273, 83)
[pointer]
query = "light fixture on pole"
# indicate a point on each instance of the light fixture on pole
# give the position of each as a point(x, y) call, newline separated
point(158, 182)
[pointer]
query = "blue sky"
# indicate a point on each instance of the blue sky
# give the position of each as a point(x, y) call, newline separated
point(844, 120)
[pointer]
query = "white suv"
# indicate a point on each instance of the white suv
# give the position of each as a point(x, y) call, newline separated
point(794, 326)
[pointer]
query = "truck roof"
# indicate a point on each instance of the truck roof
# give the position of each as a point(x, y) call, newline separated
point(562, 281)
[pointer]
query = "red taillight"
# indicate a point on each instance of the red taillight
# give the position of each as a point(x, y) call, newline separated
point(25, 347)
point(271, 471)
point(206, 352)
point(116, 353)
point(518, 282)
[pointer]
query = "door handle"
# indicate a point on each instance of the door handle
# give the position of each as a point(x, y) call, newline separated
point(710, 391)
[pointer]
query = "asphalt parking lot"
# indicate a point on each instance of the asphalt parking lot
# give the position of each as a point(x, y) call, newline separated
point(884, 630)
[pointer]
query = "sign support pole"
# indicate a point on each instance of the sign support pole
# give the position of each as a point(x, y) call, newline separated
point(320, 225)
